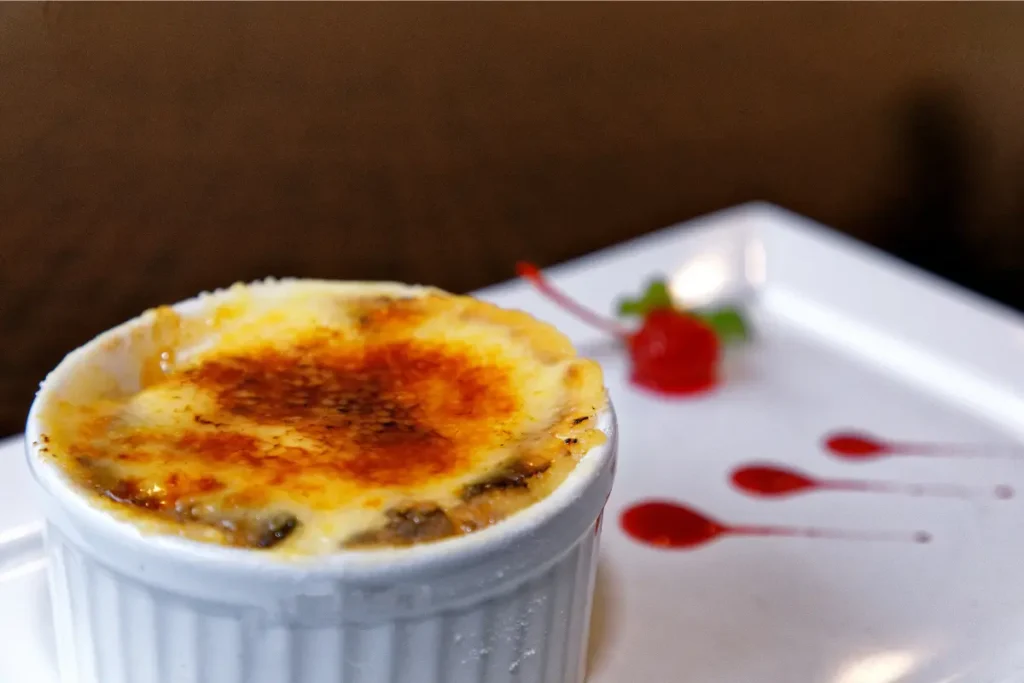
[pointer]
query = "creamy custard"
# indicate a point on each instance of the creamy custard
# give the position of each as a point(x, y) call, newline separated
point(309, 417)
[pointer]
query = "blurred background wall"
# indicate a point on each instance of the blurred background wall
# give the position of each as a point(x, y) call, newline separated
point(148, 151)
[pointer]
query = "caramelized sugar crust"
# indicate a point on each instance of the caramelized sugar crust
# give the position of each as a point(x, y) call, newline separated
point(362, 410)
point(330, 416)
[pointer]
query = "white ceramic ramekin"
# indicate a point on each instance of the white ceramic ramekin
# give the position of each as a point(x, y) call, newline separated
point(508, 603)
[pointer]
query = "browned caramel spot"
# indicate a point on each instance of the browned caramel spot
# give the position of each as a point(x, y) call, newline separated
point(384, 315)
point(418, 523)
point(513, 475)
point(180, 498)
point(386, 415)
point(131, 491)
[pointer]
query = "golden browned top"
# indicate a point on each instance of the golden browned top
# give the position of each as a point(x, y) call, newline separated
point(327, 415)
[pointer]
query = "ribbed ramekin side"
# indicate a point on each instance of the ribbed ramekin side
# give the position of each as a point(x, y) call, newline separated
point(113, 629)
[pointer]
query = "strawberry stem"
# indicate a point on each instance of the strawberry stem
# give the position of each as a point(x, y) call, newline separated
point(530, 272)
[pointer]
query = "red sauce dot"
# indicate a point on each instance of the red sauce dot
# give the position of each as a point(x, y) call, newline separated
point(768, 480)
point(855, 445)
point(669, 525)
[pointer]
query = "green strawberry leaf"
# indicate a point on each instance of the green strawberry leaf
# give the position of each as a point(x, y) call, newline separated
point(654, 297)
point(728, 323)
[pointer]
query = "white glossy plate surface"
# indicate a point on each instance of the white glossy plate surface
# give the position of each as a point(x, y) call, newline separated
point(846, 337)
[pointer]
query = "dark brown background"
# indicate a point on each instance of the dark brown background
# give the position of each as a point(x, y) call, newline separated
point(150, 151)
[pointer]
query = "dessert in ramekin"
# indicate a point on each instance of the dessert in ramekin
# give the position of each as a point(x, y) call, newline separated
point(305, 481)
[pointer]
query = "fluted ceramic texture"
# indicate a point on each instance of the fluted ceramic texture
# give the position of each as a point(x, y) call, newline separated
point(115, 629)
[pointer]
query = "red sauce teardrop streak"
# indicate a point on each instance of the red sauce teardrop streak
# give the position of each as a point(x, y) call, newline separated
point(668, 524)
point(776, 481)
point(856, 446)
point(853, 445)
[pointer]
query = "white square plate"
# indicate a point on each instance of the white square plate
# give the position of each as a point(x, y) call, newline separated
point(846, 337)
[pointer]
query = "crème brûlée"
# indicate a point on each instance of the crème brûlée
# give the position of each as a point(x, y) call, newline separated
point(311, 417)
